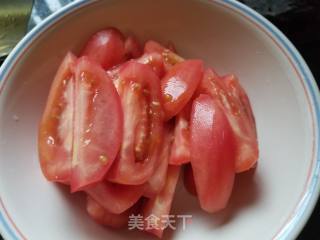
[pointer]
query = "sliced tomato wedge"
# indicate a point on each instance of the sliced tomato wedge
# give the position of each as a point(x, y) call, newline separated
point(98, 125)
point(243, 122)
point(238, 110)
point(139, 90)
point(157, 180)
point(207, 84)
point(102, 216)
point(180, 152)
point(160, 205)
point(155, 60)
point(188, 180)
point(179, 84)
point(153, 46)
point(106, 48)
point(115, 198)
point(213, 153)
point(55, 129)
point(170, 57)
point(132, 48)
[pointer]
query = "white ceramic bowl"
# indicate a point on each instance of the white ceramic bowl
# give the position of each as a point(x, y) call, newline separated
point(275, 201)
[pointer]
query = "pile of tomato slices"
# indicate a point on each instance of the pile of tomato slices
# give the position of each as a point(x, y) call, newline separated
point(121, 122)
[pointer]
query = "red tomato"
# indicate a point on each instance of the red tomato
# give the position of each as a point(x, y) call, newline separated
point(160, 205)
point(179, 84)
point(139, 90)
point(155, 60)
point(188, 180)
point(106, 48)
point(180, 152)
point(170, 57)
point(153, 46)
point(104, 217)
point(98, 124)
point(238, 110)
point(206, 85)
point(242, 120)
point(132, 48)
point(213, 153)
point(157, 180)
point(55, 130)
point(115, 198)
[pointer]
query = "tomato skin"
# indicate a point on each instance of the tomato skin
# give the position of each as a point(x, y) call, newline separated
point(132, 48)
point(188, 180)
point(237, 107)
point(115, 198)
point(102, 216)
point(55, 133)
point(140, 95)
point(213, 153)
point(157, 180)
point(105, 47)
point(180, 152)
point(153, 46)
point(179, 84)
point(160, 205)
point(98, 125)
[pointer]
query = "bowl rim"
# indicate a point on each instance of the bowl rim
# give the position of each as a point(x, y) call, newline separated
point(300, 215)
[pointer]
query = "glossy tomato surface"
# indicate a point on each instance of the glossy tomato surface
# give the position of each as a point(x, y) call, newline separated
point(55, 129)
point(228, 91)
point(213, 153)
point(139, 89)
point(179, 85)
point(97, 124)
point(106, 47)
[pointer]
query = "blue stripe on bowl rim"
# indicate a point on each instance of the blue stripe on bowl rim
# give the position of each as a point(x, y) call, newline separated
point(304, 209)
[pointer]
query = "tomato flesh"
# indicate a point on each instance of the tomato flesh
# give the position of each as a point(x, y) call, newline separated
point(106, 48)
point(179, 84)
point(139, 90)
point(157, 180)
point(98, 125)
point(120, 122)
point(180, 152)
point(160, 205)
point(244, 125)
point(238, 109)
point(213, 153)
point(170, 57)
point(102, 216)
point(155, 60)
point(55, 129)
point(115, 198)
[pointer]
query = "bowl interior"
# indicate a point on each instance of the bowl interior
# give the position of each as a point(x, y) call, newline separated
point(262, 200)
